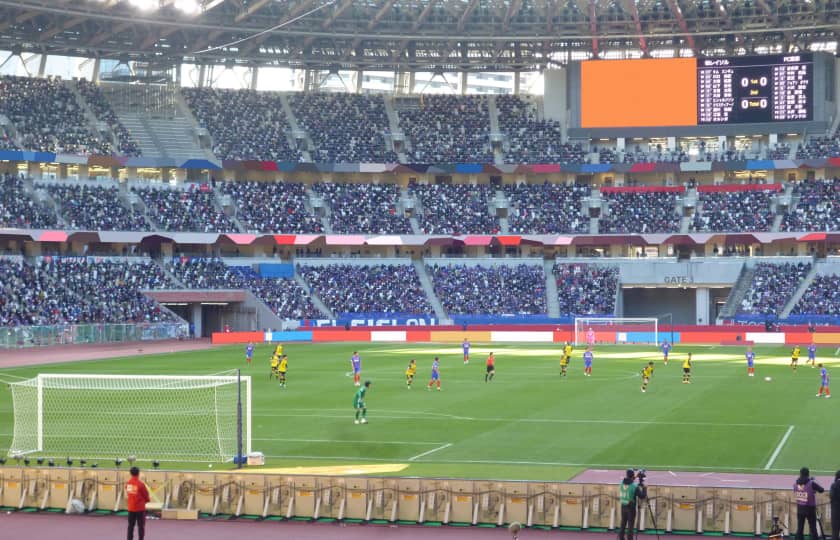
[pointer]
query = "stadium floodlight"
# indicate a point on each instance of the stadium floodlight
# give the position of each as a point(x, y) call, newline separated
point(176, 418)
point(144, 5)
point(189, 7)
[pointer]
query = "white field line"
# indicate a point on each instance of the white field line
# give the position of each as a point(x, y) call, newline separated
point(778, 448)
point(426, 453)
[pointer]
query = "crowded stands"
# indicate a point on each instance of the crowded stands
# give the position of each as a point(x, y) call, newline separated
point(348, 288)
point(818, 147)
point(729, 211)
point(818, 208)
point(284, 296)
point(649, 212)
point(492, 290)
point(244, 124)
point(531, 140)
point(364, 208)
point(344, 127)
point(46, 116)
point(91, 208)
point(18, 209)
point(448, 129)
point(546, 208)
point(455, 208)
point(263, 207)
point(822, 297)
point(126, 145)
point(772, 286)
point(584, 289)
point(192, 210)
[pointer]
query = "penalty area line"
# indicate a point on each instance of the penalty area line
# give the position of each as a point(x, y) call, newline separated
point(779, 448)
point(427, 452)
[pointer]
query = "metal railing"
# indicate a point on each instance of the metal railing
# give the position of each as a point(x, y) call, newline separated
point(65, 334)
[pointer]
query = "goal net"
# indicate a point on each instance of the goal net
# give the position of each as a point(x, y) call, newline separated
point(183, 418)
point(642, 330)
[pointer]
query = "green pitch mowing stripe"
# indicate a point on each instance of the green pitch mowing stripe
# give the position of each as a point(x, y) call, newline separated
point(528, 423)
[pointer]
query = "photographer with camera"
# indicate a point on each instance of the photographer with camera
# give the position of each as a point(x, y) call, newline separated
point(629, 493)
point(805, 491)
point(834, 495)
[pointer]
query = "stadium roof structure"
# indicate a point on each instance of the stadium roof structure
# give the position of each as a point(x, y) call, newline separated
point(409, 35)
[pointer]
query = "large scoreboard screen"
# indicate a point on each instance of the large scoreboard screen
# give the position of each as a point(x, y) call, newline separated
point(777, 88)
point(697, 91)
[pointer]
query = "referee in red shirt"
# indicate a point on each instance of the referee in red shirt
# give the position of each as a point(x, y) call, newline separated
point(137, 496)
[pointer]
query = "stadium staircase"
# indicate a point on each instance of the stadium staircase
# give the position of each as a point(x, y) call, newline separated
point(97, 127)
point(316, 300)
point(175, 282)
point(296, 131)
point(500, 202)
point(408, 202)
point(132, 201)
point(799, 292)
point(551, 299)
point(225, 205)
point(595, 201)
point(737, 294)
point(689, 201)
point(394, 127)
point(786, 199)
point(495, 134)
point(41, 195)
point(429, 289)
point(316, 201)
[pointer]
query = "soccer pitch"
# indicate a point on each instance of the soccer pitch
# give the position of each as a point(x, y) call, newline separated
point(529, 422)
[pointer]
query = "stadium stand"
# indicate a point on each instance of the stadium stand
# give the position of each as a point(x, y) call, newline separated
point(92, 208)
point(244, 124)
point(46, 116)
point(818, 208)
point(100, 106)
point(531, 140)
point(730, 211)
point(772, 286)
point(586, 289)
point(818, 147)
point(547, 208)
point(367, 289)
point(779, 151)
point(648, 212)
point(490, 290)
point(448, 129)
point(191, 210)
point(18, 209)
point(284, 296)
point(364, 208)
point(266, 207)
point(75, 290)
point(822, 297)
point(455, 208)
point(344, 127)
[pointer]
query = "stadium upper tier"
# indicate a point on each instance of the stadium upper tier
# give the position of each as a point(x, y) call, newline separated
point(77, 117)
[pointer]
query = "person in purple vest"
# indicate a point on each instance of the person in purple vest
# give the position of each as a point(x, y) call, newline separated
point(804, 491)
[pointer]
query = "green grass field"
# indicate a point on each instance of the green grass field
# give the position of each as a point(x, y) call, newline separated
point(528, 423)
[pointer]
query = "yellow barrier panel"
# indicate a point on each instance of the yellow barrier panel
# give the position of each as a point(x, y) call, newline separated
point(408, 500)
point(515, 499)
point(742, 509)
point(683, 502)
point(454, 336)
point(59, 488)
point(254, 492)
point(571, 505)
point(108, 488)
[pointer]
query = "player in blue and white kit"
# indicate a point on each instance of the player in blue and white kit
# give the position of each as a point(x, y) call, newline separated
point(356, 362)
point(435, 375)
point(812, 354)
point(466, 346)
point(587, 362)
point(750, 362)
point(825, 379)
point(249, 353)
point(666, 348)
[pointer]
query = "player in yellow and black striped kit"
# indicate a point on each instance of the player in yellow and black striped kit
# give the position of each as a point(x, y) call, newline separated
point(647, 372)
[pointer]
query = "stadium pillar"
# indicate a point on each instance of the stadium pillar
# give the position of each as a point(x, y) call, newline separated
point(464, 77)
point(84, 172)
point(96, 67)
point(42, 66)
point(195, 318)
point(202, 75)
point(360, 76)
point(516, 82)
point(255, 73)
point(701, 300)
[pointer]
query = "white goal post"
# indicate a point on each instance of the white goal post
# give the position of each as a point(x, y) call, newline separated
point(642, 330)
point(171, 417)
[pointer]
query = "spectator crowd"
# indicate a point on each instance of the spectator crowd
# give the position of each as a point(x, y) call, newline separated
point(272, 207)
point(490, 290)
point(818, 208)
point(126, 145)
point(653, 212)
point(735, 211)
point(19, 210)
point(364, 208)
point(455, 208)
point(94, 208)
point(772, 286)
point(531, 140)
point(547, 208)
point(179, 210)
point(584, 289)
point(822, 297)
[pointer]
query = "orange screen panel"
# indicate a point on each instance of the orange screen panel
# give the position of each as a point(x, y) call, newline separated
point(631, 93)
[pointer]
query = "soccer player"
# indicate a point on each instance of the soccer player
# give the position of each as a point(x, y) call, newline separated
point(275, 361)
point(750, 362)
point(359, 403)
point(812, 354)
point(590, 337)
point(564, 364)
point(491, 368)
point(278, 350)
point(824, 380)
point(647, 372)
point(587, 362)
point(410, 371)
point(356, 363)
point(466, 346)
point(249, 353)
point(687, 369)
point(794, 358)
point(435, 375)
point(666, 348)
point(281, 370)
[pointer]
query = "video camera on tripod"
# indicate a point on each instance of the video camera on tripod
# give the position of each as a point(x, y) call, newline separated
point(640, 475)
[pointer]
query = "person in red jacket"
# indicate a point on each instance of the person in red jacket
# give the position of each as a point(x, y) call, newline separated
point(136, 496)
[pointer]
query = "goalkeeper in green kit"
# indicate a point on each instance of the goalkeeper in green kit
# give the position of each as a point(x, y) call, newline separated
point(359, 403)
